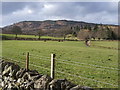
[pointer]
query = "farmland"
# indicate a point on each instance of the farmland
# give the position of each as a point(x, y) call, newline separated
point(12, 36)
point(94, 66)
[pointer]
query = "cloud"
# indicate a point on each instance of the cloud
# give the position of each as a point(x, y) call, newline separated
point(22, 12)
point(9, 7)
point(96, 12)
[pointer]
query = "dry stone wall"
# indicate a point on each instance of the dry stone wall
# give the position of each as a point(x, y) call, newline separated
point(13, 77)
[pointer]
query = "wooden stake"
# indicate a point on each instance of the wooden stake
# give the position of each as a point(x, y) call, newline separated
point(27, 61)
point(52, 66)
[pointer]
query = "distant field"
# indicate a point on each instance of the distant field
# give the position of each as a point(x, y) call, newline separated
point(94, 66)
point(33, 36)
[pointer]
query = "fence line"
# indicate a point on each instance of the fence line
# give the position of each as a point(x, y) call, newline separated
point(86, 78)
point(24, 63)
point(58, 61)
point(48, 58)
point(73, 64)
point(39, 66)
point(61, 59)
point(65, 73)
point(13, 60)
point(76, 64)
point(17, 60)
point(85, 66)
point(40, 56)
point(70, 63)
point(82, 63)
point(35, 63)
point(37, 56)
point(69, 73)
point(57, 58)
point(90, 64)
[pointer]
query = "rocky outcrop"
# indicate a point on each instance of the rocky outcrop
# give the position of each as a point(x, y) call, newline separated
point(14, 77)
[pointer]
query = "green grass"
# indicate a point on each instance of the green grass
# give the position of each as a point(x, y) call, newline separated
point(33, 36)
point(22, 36)
point(85, 64)
point(109, 44)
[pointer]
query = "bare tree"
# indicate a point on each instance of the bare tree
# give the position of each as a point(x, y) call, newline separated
point(16, 30)
point(40, 33)
point(84, 34)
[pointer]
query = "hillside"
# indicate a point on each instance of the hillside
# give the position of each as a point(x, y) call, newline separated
point(29, 27)
point(55, 28)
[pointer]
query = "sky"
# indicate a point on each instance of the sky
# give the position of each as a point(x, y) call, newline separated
point(92, 12)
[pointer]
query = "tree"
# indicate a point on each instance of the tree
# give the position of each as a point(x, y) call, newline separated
point(39, 33)
point(93, 31)
point(74, 34)
point(110, 34)
point(114, 36)
point(85, 27)
point(75, 30)
point(84, 34)
point(100, 34)
point(16, 30)
point(89, 27)
point(96, 28)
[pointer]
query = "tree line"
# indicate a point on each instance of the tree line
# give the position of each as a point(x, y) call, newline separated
point(81, 32)
point(99, 32)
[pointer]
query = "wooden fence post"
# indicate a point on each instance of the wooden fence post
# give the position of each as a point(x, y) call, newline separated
point(52, 66)
point(27, 61)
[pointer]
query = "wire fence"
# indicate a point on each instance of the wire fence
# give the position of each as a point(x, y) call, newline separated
point(75, 63)
point(87, 78)
point(48, 58)
point(42, 60)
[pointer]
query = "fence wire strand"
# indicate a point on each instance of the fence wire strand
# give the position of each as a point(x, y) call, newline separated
point(70, 63)
point(86, 78)
point(87, 66)
point(90, 64)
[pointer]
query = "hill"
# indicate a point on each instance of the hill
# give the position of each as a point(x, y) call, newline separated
point(56, 28)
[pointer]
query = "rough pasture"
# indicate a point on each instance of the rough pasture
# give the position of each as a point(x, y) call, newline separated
point(93, 66)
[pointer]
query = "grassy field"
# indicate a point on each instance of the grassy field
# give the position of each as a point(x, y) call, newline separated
point(94, 66)
point(33, 36)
